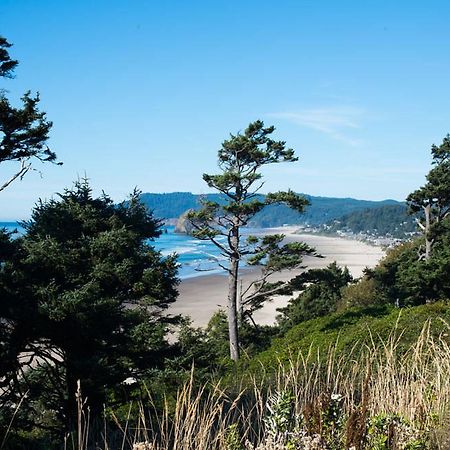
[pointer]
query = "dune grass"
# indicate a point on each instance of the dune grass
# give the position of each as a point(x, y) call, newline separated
point(372, 398)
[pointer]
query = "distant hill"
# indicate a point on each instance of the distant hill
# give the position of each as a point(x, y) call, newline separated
point(321, 211)
point(384, 220)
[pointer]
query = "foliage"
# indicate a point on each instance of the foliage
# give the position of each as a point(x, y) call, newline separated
point(311, 403)
point(384, 220)
point(321, 210)
point(280, 417)
point(350, 329)
point(387, 431)
point(81, 295)
point(207, 350)
point(361, 294)
point(404, 279)
point(320, 295)
point(232, 438)
point(7, 65)
point(204, 351)
point(432, 200)
point(23, 130)
point(240, 160)
point(272, 255)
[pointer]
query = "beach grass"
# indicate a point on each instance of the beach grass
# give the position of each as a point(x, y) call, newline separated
point(379, 398)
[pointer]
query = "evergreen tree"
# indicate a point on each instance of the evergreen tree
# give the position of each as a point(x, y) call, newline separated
point(403, 279)
point(321, 293)
point(432, 201)
point(240, 159)
point(7, 65)
point(23, 130)
point(81, 296)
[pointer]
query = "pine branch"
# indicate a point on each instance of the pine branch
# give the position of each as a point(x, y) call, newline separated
point(24, 168)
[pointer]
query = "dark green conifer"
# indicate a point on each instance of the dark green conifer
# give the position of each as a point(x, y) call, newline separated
point(83, 295)
point(432, 201)
point(24, 130)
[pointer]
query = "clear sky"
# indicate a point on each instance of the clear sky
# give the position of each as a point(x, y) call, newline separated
point(142, 93)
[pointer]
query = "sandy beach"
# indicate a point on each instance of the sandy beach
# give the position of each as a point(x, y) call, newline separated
point(201, 296)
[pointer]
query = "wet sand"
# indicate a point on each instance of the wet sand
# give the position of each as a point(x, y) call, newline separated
point(202, 296)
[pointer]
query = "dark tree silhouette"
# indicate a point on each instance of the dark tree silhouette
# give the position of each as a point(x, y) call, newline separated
point(24, 130)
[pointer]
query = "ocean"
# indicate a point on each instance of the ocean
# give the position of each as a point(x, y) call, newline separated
point(12, 226)
point(196, 257)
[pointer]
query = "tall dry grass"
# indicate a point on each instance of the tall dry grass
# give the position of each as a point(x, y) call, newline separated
point(372, 381)
point(380, 380)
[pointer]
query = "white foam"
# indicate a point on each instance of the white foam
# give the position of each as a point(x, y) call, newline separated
point(178, 251)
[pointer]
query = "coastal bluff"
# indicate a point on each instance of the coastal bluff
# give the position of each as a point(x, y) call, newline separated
point(183, 225)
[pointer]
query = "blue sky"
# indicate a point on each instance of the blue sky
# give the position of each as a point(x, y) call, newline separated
point(142, 93)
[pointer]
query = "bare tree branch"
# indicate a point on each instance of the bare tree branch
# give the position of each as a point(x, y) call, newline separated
point(24, 168)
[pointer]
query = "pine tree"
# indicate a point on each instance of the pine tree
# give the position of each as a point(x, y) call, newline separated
point(82, 296)
point(240, 159)
point(432, 201)
point(24, 131)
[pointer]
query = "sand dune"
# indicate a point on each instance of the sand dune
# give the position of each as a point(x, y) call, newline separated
point(201, 296)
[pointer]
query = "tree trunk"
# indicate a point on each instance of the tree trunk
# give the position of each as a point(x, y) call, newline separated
point(428, 240)
point(233, 292)
point(232, 308)
point(71, 406)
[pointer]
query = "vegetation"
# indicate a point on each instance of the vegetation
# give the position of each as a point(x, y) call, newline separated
point(24, 130)
point(321, 210)
point(433, 199)
point(350, 364)
point(377, 400)
point(241, 159)
point(404, 279)
point(321, 293)
point(81, 293)
point(382, 399)
point(90, 358)
point(351, 329)
point(386, 220)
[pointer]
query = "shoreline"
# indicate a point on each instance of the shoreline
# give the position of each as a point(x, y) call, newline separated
point(201, 296)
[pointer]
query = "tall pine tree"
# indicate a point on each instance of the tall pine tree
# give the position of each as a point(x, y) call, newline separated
point(82, 296)
point(240, 160)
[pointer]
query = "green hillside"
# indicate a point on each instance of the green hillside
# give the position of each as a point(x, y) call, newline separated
point(350, 330)
point(390, 219)
point(321, 210)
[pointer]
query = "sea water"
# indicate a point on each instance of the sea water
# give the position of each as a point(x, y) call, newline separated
point(196, 257)
point(13, 227)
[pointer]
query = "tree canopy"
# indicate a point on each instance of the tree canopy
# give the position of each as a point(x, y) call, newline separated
point(240, 159)
point(81, 299)
point(321, 291)
point(7, 65)
point(24, 130)
point(432, 200)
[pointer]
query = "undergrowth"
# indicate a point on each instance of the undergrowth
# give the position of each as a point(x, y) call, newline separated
point(373, 398)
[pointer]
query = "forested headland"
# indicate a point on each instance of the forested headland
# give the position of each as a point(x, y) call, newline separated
point(320, 211)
